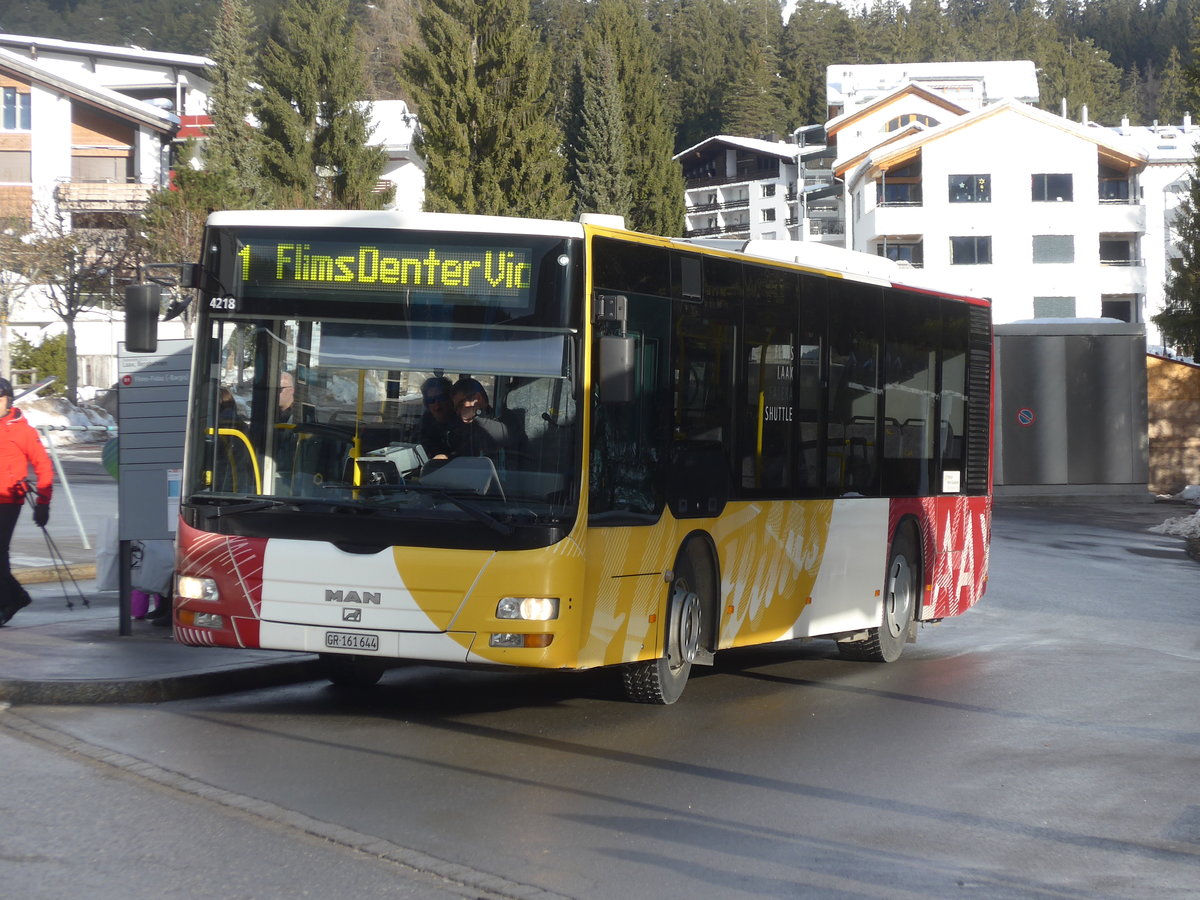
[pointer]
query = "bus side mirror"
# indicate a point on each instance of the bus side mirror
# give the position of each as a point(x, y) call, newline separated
point(142, 302)
point(618, 368)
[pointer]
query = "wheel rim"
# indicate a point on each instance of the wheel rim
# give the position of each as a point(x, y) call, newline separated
point(687, 616)
point(899, 603)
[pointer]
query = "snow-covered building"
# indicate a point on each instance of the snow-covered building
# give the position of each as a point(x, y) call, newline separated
point(177, 82)
point(761, 190)
point(970, 85)
point(70, 144)
point(395, 129)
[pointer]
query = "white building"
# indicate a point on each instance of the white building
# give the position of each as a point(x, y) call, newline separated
point(753, 189)
point(1170, 158)
point(1039, 213)
point(87, 129)
point(395, 129)
point(951, 168)
point(969, 85)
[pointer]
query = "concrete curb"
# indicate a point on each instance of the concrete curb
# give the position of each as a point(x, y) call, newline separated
point(43, 574)
point(16, 692)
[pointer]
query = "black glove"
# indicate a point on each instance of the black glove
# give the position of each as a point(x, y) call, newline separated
point(41, 514)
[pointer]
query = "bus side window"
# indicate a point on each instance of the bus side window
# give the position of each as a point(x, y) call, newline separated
point(913, 331)
point(852, 439)
point(770, 464)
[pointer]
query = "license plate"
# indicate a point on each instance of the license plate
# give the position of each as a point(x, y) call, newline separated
point(347, 640)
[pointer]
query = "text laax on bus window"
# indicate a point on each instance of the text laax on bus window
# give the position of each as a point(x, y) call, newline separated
point(426, 273)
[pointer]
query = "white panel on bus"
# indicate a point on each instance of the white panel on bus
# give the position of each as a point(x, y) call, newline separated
point(845, 595)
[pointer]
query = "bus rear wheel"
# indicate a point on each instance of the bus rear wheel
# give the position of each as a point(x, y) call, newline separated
point(886, 642)
point(661, 681)
point(347, 671)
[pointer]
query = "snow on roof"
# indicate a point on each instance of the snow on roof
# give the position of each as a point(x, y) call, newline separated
point(1164, 143)
point(122, 104)
point(1115, 145)
point(781, 149)
point(392, 124)
point(33, 44)
point(997, 79)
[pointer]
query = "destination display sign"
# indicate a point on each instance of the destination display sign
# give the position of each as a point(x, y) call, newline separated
point(430, 272)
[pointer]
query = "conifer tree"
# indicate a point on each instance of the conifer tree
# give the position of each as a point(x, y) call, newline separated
point(817, 35)
point(1174, 98)
point(1179, 320)
point(656, 178)
point(313, 110)
point(231, 149)
point(482, 85)
point(600, 155)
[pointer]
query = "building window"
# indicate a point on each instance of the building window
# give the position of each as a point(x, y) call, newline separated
point(900, 186)
point(1053, 188)
point(1054, 248)
point(970, 251)
point(768, 190)
point(1118, 306)
point(768, 215)
point(16, 115)
point(912, 252)
point(1116, 252)
point(907, 119)
point(970, 188)
point(102, 169)
point(1054, 307)
point(15, 166)
point(1113, 186)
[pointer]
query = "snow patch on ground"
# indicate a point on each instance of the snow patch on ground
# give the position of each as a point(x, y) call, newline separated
point(1183, 526)
point(65, 423)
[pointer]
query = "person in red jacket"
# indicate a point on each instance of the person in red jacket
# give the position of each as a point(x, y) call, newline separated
point(20, 448)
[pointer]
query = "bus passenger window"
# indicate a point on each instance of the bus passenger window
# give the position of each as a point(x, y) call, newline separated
point(852, 445)
point(913, 329)
point(770, 464)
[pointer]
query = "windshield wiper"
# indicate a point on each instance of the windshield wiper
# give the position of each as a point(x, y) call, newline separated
point(215, 511)
point(295, 503)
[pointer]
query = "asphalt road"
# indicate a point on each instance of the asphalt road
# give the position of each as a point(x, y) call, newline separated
point(1044, 745)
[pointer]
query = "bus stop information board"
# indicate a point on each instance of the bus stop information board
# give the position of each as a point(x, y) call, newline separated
point(151, 418)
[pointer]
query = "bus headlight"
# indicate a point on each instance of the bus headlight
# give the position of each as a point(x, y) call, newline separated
point(191, 588)
point(531, 609)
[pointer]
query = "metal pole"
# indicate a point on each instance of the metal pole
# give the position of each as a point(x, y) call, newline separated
point(125, 612)
point(66, 485)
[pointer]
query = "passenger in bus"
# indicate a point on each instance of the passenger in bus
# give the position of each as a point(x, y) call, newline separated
point(287, 397)
point(478, 432)
point(436, 429)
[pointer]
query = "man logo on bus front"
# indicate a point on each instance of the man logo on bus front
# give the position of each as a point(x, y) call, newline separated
point(352, 596)
point(352, 615)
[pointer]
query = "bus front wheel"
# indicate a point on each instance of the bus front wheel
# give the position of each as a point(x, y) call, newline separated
point(661, 681)
point(886, 642)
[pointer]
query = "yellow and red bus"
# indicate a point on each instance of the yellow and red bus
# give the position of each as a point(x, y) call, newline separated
point(706, 447)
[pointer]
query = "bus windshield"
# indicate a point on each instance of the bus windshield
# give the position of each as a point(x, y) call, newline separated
point(399, 422)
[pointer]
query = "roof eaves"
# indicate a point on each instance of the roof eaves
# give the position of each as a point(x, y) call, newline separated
point(143, 113)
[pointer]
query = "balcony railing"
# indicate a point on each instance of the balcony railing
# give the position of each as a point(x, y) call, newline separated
point(94, 196)
point(826, 226)
point(728, 204)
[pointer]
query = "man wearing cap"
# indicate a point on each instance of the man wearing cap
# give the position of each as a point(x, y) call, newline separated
point(20, 448)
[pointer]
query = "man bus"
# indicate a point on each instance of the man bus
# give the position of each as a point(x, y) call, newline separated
point(707, 447)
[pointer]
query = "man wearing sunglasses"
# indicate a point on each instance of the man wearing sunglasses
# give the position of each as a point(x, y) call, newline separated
point(438, 421)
